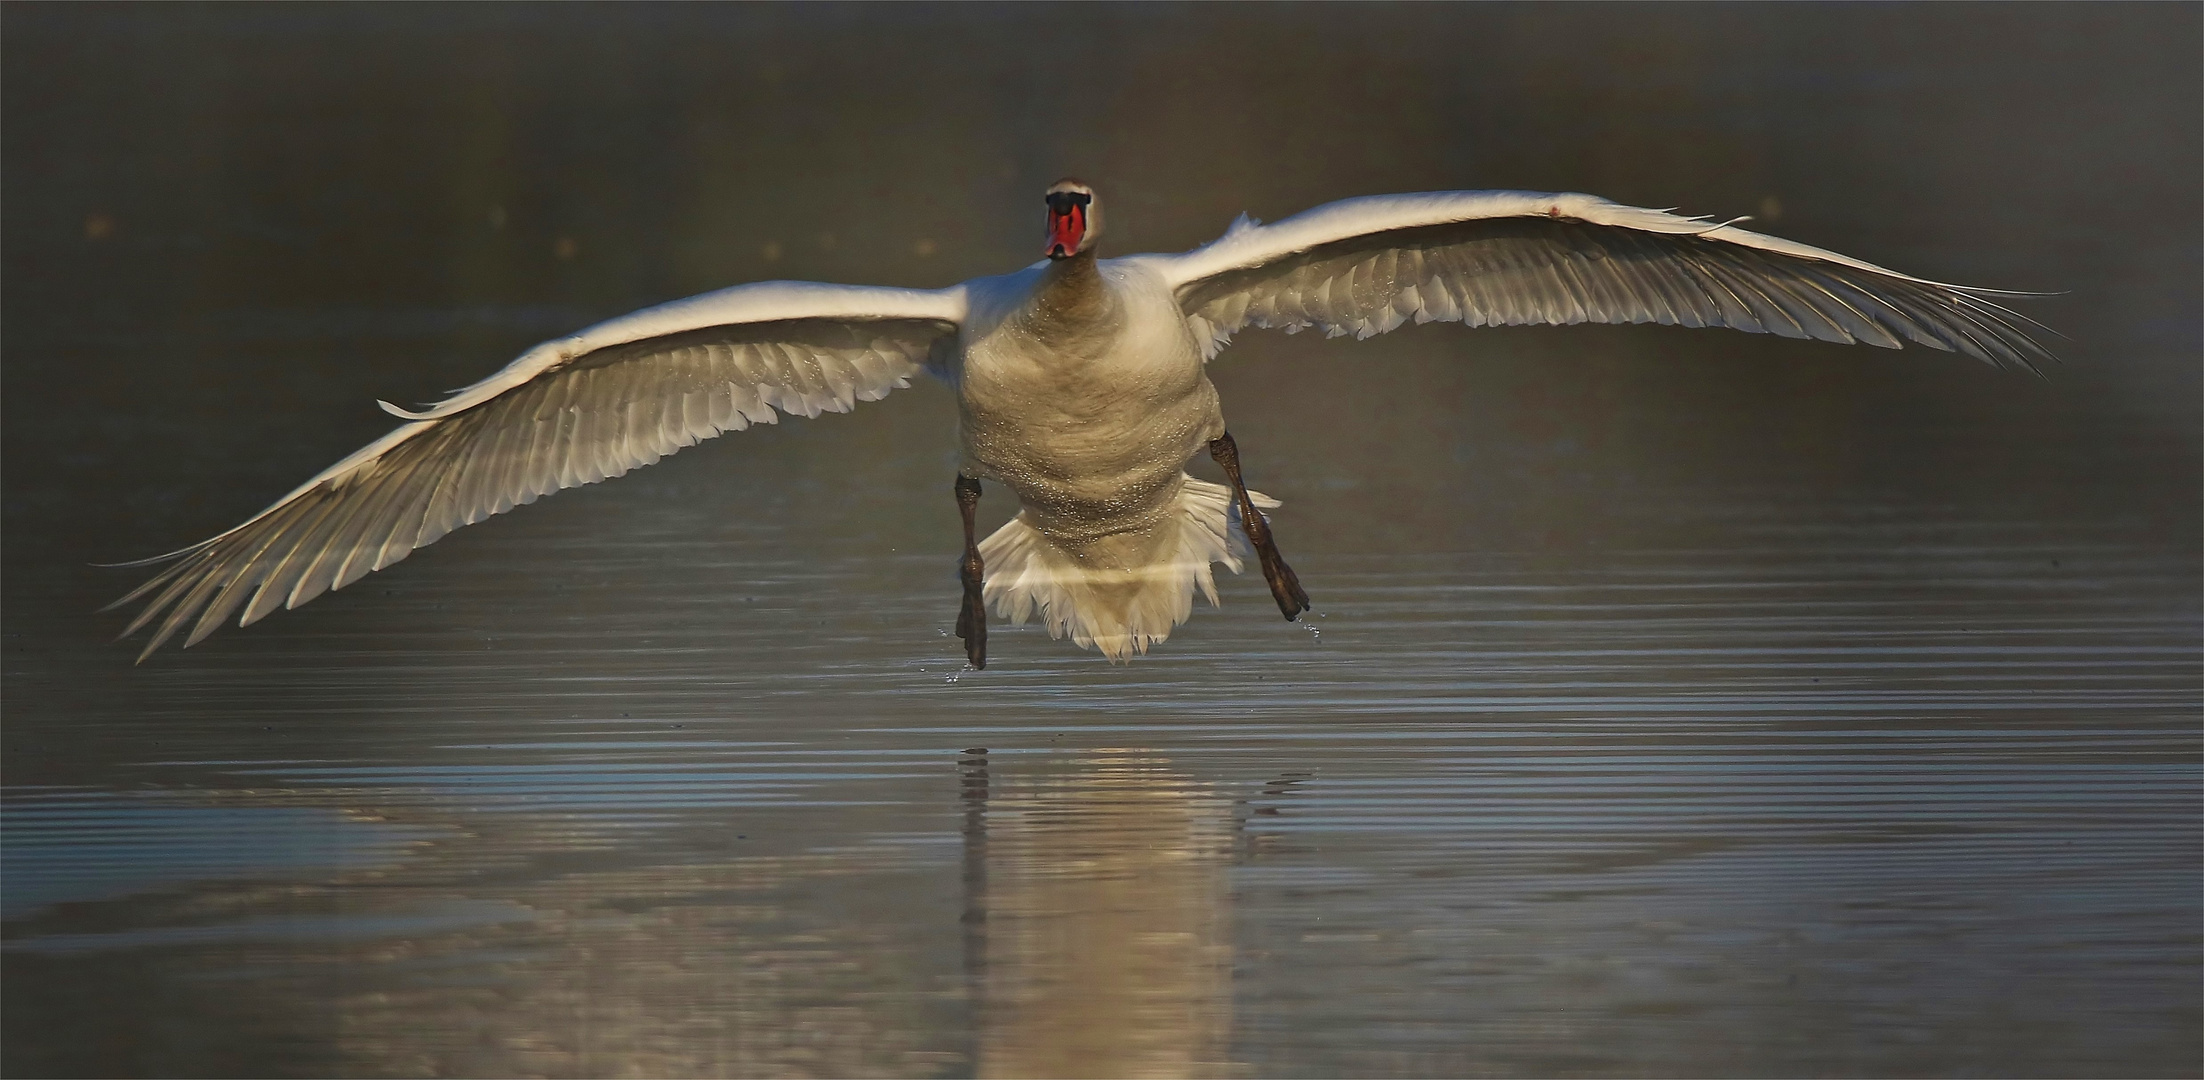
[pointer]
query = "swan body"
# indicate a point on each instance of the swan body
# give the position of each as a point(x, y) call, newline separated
point(1081, 386)
point(1083, 389)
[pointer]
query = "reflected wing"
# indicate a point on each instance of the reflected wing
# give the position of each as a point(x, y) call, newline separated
point(1491, 258)
point(569, 412)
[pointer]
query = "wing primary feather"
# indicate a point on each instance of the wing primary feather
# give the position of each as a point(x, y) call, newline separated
point(796, 389)
point(1834, 303)
point(1450, 275)
point(241, 575)
point(272, 532)
point(1876, 313)
point(1774, 316)
point(441, 515)
point(218, 609)
point(1687, 289)
point(326, 547)
point(173, 582)
point(1814, 308)
point(1316, 300)
point(618, 412)
point(398, 501)
point(1539, 286)
point(1556, 291)
point(566, 427)
point(283, 573)
point(1923, 324)
point(1497, 287)
point(535, 470)
point(1563, 305)
point(1868, 316)
point(156, 560)
point(1762, 314)
point(544, 454)
point(1608, 293)
point(654, 416)
point(181, 613)
point(1438, 299)
point(468, 462)
point(394, 536)
point(505, 457)
point(1975, 343)
point(720, 403)
point(1577, 270)
point(2025, 346)
point(2016, 327)
point(356, 514)
point(1974, 298)
point(510, 454)
point(1631, 279)
point(149, 585)
point(1988, 336)
point(1369, 290)
point(1501, 284)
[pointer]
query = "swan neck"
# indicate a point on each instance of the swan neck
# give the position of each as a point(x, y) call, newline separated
point(1072, 297)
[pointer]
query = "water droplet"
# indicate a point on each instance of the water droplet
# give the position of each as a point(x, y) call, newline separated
point(952, 678)
point(1314, 633)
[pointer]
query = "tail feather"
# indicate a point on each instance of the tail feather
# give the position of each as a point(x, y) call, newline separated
point(1122, 592)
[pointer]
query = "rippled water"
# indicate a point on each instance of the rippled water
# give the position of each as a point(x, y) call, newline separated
point(1856, 803)
point(1675, 703)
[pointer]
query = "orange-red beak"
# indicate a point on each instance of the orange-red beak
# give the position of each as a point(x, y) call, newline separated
point(1067, 226)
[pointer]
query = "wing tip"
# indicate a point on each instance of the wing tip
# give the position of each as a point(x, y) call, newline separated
point(151, 560)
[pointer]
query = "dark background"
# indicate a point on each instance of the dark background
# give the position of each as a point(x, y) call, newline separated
point(228, 230)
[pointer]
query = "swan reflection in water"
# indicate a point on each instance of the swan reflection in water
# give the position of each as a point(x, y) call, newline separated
point(1097, 919)
point(1096, 937)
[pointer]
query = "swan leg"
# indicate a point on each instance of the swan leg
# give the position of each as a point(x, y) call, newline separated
point(972, 618)
point(1284, 586)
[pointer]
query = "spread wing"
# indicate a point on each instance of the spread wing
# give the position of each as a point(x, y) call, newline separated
point(1491, 258)
point(571, 411)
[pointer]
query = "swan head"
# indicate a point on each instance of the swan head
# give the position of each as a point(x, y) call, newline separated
point(1074, 218)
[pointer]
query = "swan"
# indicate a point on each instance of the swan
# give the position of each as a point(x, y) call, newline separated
point(1081, 387)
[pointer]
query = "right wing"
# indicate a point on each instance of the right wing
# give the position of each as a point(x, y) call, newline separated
point(570, 411)
point(1492, 258)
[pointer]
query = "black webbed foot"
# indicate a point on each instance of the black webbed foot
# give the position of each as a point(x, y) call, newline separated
point(972, 615)
point(1285, 586)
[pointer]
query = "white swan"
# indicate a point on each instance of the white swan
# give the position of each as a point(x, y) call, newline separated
point(1081, 385)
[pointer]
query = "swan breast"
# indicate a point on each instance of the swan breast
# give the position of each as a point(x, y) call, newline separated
point(1089, 422)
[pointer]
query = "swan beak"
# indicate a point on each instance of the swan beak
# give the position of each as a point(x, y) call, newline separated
point(1067, 227)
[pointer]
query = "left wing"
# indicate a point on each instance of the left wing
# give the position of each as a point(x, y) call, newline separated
point(571, 411)
point(1490, 258)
